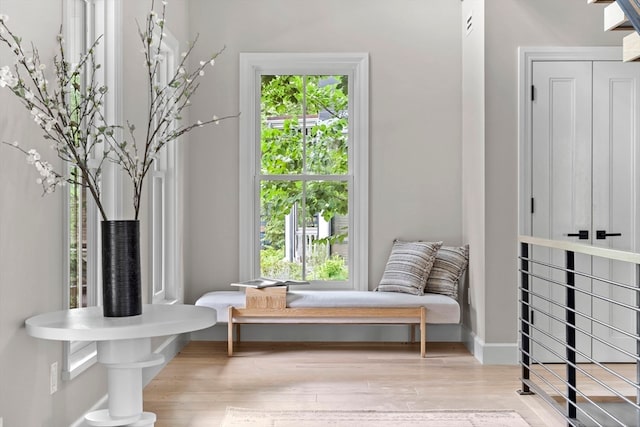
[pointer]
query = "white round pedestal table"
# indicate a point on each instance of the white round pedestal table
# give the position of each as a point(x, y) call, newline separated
point(124, 347)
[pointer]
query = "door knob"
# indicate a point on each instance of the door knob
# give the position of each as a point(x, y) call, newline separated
point(602, 234)
point(581, 234)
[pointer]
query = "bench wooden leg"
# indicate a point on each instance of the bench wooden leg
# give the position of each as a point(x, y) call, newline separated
point(423, 332)
point(230, 332)
point(412, 334)
point(233, 312)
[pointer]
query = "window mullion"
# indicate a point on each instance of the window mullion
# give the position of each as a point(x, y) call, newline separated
point(304, 172)
point(304, 125)
point(304, 230)
point(297, 177)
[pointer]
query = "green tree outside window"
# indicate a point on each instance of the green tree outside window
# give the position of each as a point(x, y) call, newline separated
point(304, 169)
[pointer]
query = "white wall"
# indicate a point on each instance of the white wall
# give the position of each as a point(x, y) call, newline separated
point(30, 253)
point(511, 24)
point(415, 164)
point(473, 168)
point(508, 25)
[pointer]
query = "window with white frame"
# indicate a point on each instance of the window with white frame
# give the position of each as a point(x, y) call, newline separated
point(164, 212)
point(80, 286)
point(84, 22)
point(80, 223)
point(304, 168)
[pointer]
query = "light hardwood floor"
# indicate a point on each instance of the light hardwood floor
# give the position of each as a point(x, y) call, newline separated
point(197, 386)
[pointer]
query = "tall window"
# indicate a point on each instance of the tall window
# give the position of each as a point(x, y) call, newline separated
point(78, 288)
point(304, 177)
point(84, 21)
point(303, 171)
point(81, 220)
point(166, 282)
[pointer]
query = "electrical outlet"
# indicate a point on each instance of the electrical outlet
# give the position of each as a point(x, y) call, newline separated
point(53, 378)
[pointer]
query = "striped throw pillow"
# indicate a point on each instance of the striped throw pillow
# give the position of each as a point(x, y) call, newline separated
point(447, 269)
point(408, 267)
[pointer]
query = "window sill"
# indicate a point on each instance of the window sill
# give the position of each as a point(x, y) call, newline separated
point(79, 361)
point(167, 301)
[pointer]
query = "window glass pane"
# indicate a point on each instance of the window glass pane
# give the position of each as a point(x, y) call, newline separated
point(77, 223)
point(304, 230)
point(304, 124)
point(77, 242)
point(159, 241)
point(280, 257)
point(327, 230)
point(327, 107)
point(282, 120)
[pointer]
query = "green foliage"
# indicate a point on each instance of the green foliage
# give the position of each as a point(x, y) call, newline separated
point(304, 131)
point(332, 269)
point(274, 265)
point(296, 101)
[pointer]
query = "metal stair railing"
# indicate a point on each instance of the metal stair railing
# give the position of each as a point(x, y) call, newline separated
point(565, 375)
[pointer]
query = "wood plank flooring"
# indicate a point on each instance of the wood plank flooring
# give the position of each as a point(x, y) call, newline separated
point(197, 386)
point(550, 378)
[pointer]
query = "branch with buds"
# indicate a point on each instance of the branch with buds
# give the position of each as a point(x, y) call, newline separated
point(69, 111)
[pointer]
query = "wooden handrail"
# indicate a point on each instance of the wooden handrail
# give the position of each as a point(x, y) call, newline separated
point(580, 248)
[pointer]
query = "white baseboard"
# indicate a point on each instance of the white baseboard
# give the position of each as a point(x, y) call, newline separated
point(100, 404)
point(169, 348)
point(491, 353)
point(330, 333)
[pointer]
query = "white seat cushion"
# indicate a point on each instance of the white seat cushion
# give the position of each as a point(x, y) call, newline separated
point(440, 308)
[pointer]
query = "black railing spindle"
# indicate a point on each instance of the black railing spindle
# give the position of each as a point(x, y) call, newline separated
point(638, 343)
point(571, 335)
point(524, 308)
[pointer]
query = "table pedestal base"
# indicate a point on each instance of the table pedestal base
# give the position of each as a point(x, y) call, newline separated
point(103, 419)
point(124, 360)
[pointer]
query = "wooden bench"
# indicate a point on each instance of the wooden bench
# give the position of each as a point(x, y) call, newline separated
point(329, 315)
point(277, 306)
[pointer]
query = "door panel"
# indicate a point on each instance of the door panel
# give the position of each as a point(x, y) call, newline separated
point(585, 157)
point(616, 91)
point(561, 188)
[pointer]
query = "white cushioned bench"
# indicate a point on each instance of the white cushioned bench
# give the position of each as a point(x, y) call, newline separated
point(363, 307)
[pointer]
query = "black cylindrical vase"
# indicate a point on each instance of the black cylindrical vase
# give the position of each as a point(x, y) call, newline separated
point(121, 287)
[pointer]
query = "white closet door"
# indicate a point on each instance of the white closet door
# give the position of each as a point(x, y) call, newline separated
point(561, 188)
point(616, 94)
